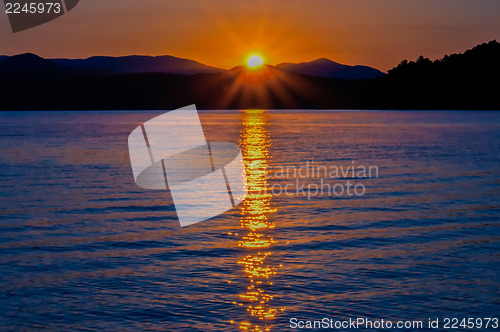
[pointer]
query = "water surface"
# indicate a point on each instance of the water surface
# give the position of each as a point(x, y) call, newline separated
point(82, 247)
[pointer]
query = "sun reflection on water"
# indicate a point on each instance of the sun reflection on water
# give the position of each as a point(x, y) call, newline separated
point(255, 211)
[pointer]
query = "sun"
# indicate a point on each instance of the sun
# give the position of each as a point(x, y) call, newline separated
point(254, 61)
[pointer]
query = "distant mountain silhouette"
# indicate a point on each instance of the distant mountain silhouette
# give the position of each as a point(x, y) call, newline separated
point(3, 57)
point(32, 63)
point(327, 68)
point(244, 70)
point(140, 64)
point(28, 62)
point(458, 81)
point(135, 64)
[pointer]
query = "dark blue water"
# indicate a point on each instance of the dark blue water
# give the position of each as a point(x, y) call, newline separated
point(83, 248)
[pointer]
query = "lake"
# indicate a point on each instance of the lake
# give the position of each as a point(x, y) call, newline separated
point(83, 248)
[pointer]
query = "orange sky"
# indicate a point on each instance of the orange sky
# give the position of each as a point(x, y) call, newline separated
point(222, 32)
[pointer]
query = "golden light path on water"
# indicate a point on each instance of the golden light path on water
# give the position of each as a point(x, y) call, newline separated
point(255, 143)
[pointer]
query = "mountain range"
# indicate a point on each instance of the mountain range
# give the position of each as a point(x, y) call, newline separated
point(327, 68)
point(28, 62)
point(135, 64)
point(140, 64)
point(457, 81)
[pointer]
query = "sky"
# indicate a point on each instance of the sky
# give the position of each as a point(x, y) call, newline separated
point(221, 33)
